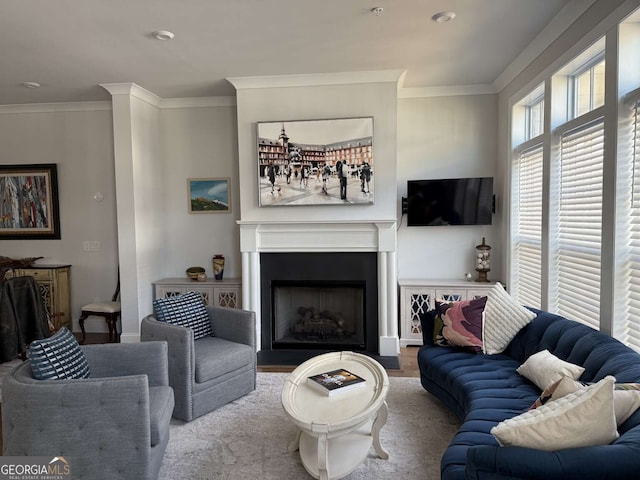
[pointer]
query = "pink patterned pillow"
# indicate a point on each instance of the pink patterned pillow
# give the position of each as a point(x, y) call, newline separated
point(459, 324)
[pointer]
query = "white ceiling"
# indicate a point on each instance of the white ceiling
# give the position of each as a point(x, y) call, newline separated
point(71, 47)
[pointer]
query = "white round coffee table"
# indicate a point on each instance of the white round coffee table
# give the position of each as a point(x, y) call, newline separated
point(336, 432)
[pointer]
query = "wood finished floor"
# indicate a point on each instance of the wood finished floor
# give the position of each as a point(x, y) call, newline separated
point(408, 365)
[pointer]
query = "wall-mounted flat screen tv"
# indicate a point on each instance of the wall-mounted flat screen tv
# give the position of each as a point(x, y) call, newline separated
point(454, 201)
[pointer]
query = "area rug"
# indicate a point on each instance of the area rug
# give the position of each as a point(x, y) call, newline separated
point(247, 439)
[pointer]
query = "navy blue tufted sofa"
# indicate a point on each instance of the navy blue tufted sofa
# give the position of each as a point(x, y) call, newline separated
point(483, 390)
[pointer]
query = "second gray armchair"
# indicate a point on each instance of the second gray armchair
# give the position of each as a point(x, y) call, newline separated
point(212, 371)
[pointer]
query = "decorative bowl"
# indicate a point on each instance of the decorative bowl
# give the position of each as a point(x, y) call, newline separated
point(18, 262)
point(196, 273)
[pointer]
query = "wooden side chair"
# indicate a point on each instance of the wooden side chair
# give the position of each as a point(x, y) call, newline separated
point(110, 311)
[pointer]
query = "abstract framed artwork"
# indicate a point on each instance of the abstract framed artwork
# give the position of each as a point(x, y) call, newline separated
point(29, 207)
point(209, 195)
point(316, 162)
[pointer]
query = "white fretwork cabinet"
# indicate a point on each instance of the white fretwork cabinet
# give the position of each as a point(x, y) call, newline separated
point(418, 296)
point(220, 293)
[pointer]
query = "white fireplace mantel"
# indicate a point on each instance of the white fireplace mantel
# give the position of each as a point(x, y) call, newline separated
point(325, 236)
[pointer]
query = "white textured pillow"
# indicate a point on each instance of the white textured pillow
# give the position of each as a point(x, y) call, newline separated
point(581, 419)
point(544, 368)
point(503, 318)
point(626, 396)
point(626, 400)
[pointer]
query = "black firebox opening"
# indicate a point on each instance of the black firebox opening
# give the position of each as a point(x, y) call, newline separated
point(308, 314)
point(312, 303)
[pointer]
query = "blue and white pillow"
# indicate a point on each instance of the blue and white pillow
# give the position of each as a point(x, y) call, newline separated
point(58, 357)
point(186, 310)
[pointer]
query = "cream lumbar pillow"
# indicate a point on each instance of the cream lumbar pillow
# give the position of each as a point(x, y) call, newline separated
point(626, 396)
point(544, 368)
point(581, 419)
point(503, 319)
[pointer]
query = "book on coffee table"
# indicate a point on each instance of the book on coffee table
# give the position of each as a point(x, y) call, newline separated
point(336, 381)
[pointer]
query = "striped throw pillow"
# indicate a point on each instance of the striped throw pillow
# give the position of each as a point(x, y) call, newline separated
point(186, 310)
point(58, 357)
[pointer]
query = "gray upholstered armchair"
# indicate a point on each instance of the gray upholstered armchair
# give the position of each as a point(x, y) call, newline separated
point(212, 371)
point(114, 425)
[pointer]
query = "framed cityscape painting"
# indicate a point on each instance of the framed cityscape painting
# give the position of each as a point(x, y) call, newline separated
point(209, 195)
point(316, 162)
point(29, 206)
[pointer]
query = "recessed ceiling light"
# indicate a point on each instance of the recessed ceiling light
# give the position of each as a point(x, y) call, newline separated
point(163, 35)
point(443, 17)
point(31, 84)
point(377, 10)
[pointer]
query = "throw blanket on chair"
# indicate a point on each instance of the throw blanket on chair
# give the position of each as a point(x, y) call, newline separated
point(23, 317)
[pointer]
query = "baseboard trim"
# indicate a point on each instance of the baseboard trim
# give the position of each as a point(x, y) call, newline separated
point(129, 338)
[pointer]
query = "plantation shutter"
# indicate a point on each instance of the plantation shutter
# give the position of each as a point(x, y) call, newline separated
point(527, 227)
point(579, 216)
point(631, 233)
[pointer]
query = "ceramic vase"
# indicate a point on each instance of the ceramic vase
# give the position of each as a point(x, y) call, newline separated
point(218, 266)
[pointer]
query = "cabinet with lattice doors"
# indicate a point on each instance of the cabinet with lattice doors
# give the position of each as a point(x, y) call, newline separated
point(220, 293)
point(418, 296)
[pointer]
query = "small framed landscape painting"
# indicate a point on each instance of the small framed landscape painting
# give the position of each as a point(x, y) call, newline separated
point(29, 206)
point(316, 162)
point(209, 195)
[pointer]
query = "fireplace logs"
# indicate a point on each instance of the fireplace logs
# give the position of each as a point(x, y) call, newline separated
point(312, 324)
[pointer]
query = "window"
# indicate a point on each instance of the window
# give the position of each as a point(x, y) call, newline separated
point(526, 198)
point(577, 224)
point(535, 118)
point(587, 85)
point(629, 230)
point(528, 117)
point(585, 238)
point(526, 243)
point(571, 266)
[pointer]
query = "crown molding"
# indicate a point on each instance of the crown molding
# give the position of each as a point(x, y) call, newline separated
point(153, 99)
point(120, 89)
point(57, 107)
point(197, 102)
point(222, 101)
point(451, 91)
point(563, 19)
point(133, 90)
point(400, 83)
point(316, 79)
